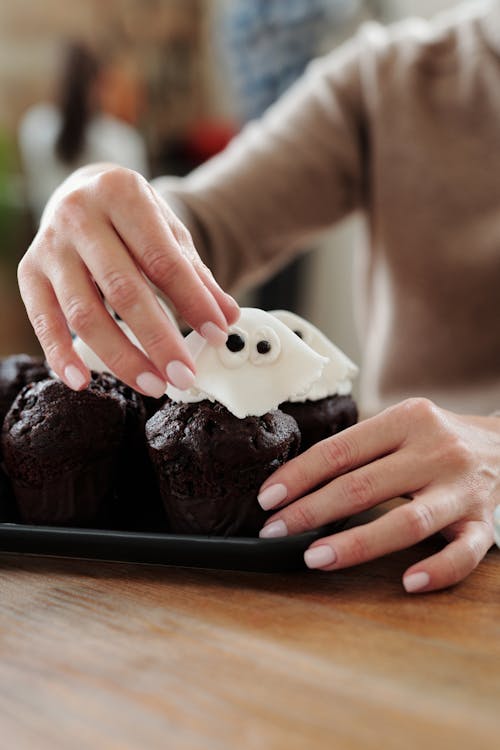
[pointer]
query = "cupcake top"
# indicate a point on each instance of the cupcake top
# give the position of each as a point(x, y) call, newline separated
point(58, 427)
point(17, 371)
point(337, 375)
point(262, 364)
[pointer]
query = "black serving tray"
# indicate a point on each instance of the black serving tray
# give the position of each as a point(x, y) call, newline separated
point(152, 547)
point(226, 553)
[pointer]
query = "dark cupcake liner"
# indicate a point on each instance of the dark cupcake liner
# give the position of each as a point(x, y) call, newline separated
point(75, 497)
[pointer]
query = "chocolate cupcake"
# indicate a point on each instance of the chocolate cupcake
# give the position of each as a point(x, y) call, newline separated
point(63, 449)
point(136, 502)
point(213, 446)
point(321, 419)
point(327, 407)
point(17, 371)
point(209, 469)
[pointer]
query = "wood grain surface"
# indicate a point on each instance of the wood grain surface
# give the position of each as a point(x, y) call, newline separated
point(108, 655)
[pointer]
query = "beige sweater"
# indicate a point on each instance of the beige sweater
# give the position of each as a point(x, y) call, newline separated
point(402, 124)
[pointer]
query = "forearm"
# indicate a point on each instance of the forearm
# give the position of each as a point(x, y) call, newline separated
point(285, 178)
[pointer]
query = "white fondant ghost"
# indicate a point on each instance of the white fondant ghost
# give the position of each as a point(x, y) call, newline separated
point(337, 375)
point(94, 362)
point(261, 365)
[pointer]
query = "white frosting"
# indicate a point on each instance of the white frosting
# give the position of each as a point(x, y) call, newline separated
point(337, 375)
point(248, 382)
point(94, 362)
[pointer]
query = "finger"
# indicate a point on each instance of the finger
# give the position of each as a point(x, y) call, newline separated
point(49, 324)
point(149, 238)
point(351, 493)
point(398, 529)
point(332, 457)
point(84, 310)
point(453, 563)
point(227, 304)
point(128, 293)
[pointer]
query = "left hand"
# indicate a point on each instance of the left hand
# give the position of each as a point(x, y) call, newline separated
point(447, 463)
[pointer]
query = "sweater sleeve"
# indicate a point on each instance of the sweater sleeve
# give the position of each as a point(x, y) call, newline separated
point(283, 179)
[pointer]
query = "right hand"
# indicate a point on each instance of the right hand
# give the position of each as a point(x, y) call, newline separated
point(106, 229)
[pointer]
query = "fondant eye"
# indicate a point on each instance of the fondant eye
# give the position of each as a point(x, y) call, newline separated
point(266, 347)
point(234, 353)
point(235, 343)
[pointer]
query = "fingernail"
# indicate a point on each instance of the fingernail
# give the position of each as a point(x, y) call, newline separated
point(213, 334)
point(271, 496)
point(151, 384)
point(416, 582)
point(274, 530)
point(232, 302)
point(74, 378)
point(318, 557)
point(180, 375)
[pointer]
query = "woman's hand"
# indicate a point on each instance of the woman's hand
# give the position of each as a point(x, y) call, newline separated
point(106, 230)
point(448, 464)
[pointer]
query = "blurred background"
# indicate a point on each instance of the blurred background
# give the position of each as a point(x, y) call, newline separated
point(160, 86)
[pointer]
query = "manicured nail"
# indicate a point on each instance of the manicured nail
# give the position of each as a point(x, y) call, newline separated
point(74, 378)
point(416, 582)
point(271, 496)
point(180, 375)
point(151, 384)
point(318, 557)
point(213, 334)
point(274, 530)
point(232, 303)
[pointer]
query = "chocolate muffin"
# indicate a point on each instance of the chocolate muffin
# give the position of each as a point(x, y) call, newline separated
point(327, 407)
point(210, 464)
point(63, 449)
point(136, 501)
point(320, 419)
point(17, 371)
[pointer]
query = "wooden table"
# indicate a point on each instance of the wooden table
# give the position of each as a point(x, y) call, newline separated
point(115, 656)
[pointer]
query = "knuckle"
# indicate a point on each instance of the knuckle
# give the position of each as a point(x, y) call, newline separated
point(24, 268)
point(456, 452)
point(338, 453)
point(303, 516)
point(479, 543)
point(168, 275)
point(420, 409)
point(358, 549)
point(44, 330)
point(183, 236)
point(473, 552)
point(118, 359)
point(357, 490)
point(453, 569)
point(120, 289)
point(420, 520)
point(47, 333)
point(78, 314)
point(159, 265)
point(157, 340)
point(116, 181)
point(71, 211)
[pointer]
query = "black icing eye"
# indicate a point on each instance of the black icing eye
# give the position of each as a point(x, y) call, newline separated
point(299, 334)
point(263, 347)
point(235, 343)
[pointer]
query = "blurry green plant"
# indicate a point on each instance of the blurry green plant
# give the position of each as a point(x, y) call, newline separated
point(9, 208)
